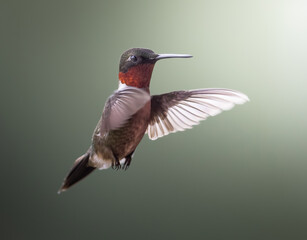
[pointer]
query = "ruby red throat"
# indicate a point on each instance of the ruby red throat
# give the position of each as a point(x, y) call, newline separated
point(131, 112)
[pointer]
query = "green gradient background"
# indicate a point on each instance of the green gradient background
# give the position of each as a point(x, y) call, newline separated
point(239, 175)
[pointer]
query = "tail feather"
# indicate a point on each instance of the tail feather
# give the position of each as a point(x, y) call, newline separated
point(78, 172)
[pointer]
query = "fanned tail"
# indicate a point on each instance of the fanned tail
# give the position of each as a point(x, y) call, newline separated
point(78, 172)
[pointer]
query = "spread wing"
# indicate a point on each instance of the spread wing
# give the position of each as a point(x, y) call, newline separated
point(180, 110)
point(121, 106)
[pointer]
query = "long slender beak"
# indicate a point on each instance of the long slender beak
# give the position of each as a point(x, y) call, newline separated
point(162, 56)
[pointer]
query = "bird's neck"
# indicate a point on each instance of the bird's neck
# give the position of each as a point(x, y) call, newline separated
point(137, 76)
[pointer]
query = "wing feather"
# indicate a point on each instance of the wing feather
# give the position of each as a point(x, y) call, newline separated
point(180, 110)
point(121, 106)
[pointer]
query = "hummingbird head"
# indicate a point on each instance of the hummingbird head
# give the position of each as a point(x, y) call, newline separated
point(136, 66)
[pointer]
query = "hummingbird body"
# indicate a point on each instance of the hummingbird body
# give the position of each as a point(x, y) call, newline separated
point(115, 145)
point(130, 112)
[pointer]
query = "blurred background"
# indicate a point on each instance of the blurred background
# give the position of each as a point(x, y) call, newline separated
point(239, 175)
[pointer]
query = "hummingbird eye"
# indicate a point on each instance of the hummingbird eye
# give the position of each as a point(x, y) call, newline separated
point(132, 58)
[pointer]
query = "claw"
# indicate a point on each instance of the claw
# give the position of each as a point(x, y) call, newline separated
point(127, 163)
point(116, 164)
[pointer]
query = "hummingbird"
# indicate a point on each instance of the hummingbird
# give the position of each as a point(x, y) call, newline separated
point(131, 112)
